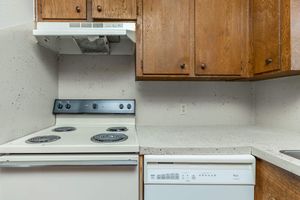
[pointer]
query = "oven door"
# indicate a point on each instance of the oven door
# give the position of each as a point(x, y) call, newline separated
point(76, 177)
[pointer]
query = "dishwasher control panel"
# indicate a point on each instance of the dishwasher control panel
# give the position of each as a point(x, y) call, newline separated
point(199, 176)
point(234, 170)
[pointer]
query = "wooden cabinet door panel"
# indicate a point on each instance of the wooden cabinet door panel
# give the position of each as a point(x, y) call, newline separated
point(268, 188)
point(114, 9)
point(64, 9)
point(266, 35)
point(273, 183)
point(221, 36)
point(166, 37)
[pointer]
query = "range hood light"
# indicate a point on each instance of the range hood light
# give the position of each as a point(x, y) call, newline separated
point(92, 38)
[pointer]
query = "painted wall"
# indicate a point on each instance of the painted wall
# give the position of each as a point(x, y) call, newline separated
point(28, 74)
point(278, 103)
point(158, 103)
point(15, 12)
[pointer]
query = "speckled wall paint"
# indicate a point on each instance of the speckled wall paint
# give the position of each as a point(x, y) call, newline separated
point(28, 83)
point(15, 12)
point(158, 103)
point(278, 103)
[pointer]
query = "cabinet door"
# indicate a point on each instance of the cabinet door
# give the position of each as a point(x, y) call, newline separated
point(269, 189)
point(166, 37)
point(221, 36)
point(114, 9)
point(266, 35)
point(273, 183)
point(268, 186)
point(63, 9)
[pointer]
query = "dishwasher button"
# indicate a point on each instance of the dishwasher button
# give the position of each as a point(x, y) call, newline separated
point(173, 176)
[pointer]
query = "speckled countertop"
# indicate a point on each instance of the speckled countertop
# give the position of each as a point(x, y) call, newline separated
point(261, 142)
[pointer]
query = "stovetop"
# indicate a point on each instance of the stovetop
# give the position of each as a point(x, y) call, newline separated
point(77, 141)
point(77, 131)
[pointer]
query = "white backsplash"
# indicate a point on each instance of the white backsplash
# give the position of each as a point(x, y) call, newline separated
point(278, 103)
point(28, 83)
point(158, 103)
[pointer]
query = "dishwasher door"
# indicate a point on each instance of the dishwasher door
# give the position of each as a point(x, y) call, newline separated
point(199, 192)
point(203, 177)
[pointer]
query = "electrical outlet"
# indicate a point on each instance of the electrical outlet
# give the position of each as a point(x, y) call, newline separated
point(183, 109)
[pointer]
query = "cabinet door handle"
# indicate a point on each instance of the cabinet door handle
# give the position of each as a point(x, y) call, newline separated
point(78, 9)
point(269, 61)
point(99, 8)
point(182, 66)
point(203, 66)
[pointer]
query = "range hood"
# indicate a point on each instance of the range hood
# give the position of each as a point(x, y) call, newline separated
point(107, 38)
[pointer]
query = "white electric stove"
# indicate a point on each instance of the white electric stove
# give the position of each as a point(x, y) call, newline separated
point(83, 126)
point(79, 137)
point(91, 151)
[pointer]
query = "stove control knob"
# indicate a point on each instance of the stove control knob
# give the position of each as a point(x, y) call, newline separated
point(60, 106)
point(95, 106)
point(68, 106)
point(121, 106)
point(129, 106)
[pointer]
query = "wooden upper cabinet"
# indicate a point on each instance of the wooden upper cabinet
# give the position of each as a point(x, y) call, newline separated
point(63, 9)
point(221, 37)
point(114, 9)
point(266, 35)
point(167, 28)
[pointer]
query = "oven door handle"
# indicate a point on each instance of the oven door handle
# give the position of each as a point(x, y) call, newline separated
point(70, 163)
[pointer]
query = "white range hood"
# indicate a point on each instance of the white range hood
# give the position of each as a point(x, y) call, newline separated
point(108, 38)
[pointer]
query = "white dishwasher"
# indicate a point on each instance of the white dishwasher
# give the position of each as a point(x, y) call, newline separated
point(199, 177)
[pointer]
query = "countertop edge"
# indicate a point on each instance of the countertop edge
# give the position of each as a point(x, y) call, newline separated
point(282, 161)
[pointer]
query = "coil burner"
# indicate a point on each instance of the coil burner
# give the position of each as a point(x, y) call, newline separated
point(64, 129)
point(109, 137)
point(43, 139)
